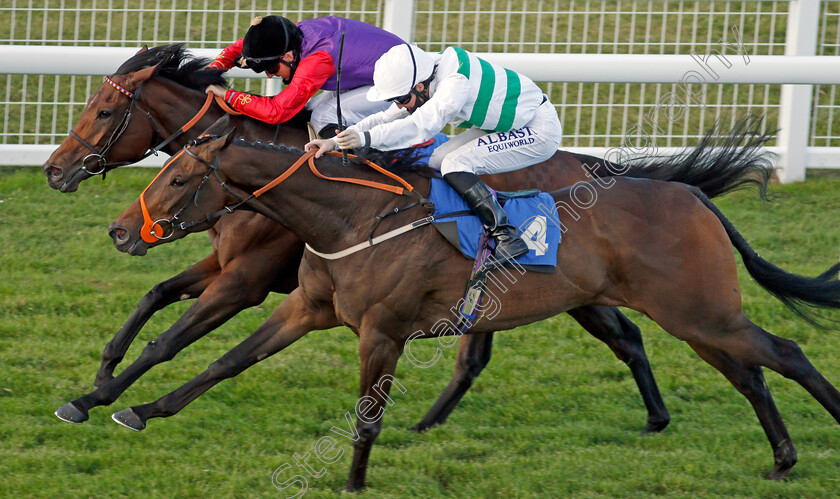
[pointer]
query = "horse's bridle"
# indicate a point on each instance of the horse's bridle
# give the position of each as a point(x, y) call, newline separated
point(100, 165)
point(149, 232)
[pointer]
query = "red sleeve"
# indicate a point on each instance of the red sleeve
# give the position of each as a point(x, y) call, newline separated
point(311, 73)
point(227, 59)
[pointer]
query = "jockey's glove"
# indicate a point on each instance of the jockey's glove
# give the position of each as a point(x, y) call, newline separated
point(323, 146)
point(351, 139)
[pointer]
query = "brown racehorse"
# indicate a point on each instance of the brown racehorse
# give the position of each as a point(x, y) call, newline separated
point(253, 255)
point(660, 248)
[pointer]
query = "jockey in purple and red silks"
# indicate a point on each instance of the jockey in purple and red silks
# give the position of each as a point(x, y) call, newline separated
point(305, 55)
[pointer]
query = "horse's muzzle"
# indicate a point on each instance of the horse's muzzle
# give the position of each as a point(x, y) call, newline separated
point(124, 241)
point(54, 175)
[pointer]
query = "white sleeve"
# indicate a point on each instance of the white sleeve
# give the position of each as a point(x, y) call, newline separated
point(429, 119)
point(386, 116)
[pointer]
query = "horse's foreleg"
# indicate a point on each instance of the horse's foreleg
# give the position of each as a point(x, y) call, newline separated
point(473, 355)
point(188, 284)
point(226, 296)
point(749, 380)
point(378, 354)
point(292, 320)
point(623, 337)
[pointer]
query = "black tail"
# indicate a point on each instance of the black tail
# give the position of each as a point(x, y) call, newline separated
point(800, 294)
point(719, 164)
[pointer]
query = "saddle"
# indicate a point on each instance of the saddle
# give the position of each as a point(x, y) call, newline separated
point(504, 197)
point(532, 211)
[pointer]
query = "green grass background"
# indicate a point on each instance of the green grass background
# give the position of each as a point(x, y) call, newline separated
point(555, 414)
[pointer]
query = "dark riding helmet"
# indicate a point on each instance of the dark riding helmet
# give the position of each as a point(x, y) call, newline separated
point(267, 40)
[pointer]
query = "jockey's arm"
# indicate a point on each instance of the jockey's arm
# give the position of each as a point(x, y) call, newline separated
point(352, 138)
point(392, 113)
point(228, 57)
point(443, 107)
point(311, 73)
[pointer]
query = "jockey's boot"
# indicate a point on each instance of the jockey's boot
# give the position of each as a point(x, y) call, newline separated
point(482, 202)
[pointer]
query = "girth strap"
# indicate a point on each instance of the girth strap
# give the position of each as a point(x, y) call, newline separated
point(373, 241)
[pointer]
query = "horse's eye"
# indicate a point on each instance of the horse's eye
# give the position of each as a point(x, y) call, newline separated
point(104, 114)
point(177, 182)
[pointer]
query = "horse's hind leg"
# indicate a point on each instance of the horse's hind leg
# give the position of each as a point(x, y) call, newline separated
point(607, 324)
point(749, 380)
point(754, 345)
point(751, 345)
point(473, 355)
point(623, 337)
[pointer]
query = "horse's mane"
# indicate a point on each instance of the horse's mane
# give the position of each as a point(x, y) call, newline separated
point(241, 142)
point(400, 161)
point(177, 64)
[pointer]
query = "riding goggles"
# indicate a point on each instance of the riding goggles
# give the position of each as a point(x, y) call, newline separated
point(262, 64)
point(402, 99)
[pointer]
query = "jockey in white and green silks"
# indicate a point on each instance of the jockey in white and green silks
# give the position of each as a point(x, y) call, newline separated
point(511, 124)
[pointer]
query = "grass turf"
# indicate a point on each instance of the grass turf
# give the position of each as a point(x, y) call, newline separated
point(554, 414)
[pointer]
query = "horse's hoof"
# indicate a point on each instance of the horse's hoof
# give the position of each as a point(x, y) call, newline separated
point(655, 426)
point(72, 414)
point(780, 471)
point(129, 419)
point(777, 475)
point(420, 427)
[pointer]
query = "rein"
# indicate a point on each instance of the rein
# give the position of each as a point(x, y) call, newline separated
point(100, 165)
point(150, 229)
point(310, 158)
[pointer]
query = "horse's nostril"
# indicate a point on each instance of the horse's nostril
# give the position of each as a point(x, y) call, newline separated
point(53, 172)
point(118, 234)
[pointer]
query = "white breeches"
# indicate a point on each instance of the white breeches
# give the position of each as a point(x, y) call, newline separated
point(483, 153)
point(354, 107)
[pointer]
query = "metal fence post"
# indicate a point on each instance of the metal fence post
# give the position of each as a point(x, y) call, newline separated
point(399, 18)
point(272, 86)
point(795, 105)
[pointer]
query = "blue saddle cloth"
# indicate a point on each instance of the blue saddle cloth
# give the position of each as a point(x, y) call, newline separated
point(529, 215)
point(424, 152)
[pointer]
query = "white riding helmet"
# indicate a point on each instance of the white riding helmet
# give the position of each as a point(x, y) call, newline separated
point(398, 70)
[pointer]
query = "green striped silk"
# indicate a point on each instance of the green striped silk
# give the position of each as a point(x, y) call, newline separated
point(494, 107)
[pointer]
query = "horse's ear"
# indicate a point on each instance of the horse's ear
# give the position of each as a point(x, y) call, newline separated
point(220, 127)
point(216, 146)
point(142, 49)
point(142, 75)
point(229, 136)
